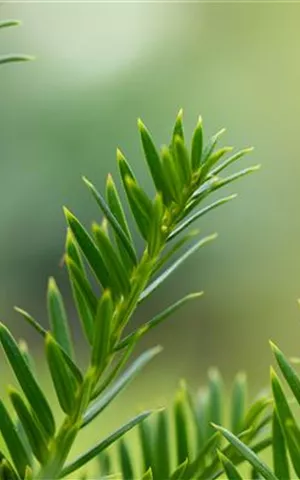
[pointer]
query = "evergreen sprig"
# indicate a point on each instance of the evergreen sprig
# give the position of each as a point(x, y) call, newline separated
point(189, 441)
point(183, 177)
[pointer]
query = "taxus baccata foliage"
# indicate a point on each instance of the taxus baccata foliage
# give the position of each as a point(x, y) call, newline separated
point(184, 177)
point(180, 442)
point(285, 429)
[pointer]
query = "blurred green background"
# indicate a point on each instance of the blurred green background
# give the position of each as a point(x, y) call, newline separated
point(98, 68)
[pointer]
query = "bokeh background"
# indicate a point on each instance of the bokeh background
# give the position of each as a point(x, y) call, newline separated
point(98, 68)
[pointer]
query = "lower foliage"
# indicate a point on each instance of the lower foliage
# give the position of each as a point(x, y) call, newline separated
point(190, 441)
point(285, 430)
point(182, 442)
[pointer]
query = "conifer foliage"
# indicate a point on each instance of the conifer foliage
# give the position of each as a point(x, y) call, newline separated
point(185, 176)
